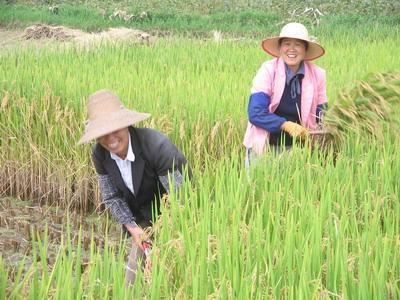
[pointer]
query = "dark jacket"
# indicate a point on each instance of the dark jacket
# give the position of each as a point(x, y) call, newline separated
point(155, 158)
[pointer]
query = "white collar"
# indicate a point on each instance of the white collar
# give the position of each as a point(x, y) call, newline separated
point(130, 155)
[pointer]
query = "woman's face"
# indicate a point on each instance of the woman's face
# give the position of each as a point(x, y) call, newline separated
point(292, 51)
point(116, 142)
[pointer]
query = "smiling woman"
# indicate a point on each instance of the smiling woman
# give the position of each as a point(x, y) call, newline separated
point(133, 167)
point(116, 142)
point(292, 51)
point(288, 93)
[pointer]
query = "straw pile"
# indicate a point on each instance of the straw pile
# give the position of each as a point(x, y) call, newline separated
point(43, 31)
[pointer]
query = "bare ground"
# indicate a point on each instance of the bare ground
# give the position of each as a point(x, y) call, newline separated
point(9, 38)
point(19, 219)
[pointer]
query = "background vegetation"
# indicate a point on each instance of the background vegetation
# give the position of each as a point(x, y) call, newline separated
point(197, 18)
point(301, 224)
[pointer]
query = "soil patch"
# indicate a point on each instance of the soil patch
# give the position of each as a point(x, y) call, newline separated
point(8, 37)
point(19, 219)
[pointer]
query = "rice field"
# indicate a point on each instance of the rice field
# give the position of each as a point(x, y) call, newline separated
point(302, 224)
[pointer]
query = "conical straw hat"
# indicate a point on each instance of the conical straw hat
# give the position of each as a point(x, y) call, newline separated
point(106, 114)
point(294, 31)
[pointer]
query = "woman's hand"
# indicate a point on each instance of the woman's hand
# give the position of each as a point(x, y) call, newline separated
point(136, 233)
point(138, 238)
point(294, 129)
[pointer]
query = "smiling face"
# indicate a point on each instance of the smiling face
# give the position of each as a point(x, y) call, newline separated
point(292, 51)
point(116, 142)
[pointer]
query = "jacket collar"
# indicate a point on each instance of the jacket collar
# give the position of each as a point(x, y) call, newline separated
point(137, 165)
point(290, 74)
point(307, 90)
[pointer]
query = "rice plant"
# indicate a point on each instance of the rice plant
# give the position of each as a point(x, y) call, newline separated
point(300, 224)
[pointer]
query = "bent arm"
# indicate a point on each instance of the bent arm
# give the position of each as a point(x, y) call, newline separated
point(113, 201)
point(168, 162)
point(260, 99)
point(170, 165)
point(260, 116)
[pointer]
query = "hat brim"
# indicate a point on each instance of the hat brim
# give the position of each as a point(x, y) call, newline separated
point(271, 46)
point(115, 121)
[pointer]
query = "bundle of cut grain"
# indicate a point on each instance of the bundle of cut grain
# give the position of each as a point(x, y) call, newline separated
point(371, 108)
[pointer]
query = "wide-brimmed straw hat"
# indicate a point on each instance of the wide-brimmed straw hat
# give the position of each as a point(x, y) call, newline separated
point(106, 114)
point(294, 31)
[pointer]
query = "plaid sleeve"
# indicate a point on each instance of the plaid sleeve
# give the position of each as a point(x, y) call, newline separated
point(114, 202)
point(176, 179)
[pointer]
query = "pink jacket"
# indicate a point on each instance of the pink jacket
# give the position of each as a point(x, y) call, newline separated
point(271, 79)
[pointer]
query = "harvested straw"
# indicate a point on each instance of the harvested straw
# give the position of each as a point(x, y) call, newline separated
point(65, 34)
point(41, 31)
point(371, 108)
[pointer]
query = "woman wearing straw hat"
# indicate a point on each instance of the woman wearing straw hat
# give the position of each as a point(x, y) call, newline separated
point(288, 92)
point(133, 167)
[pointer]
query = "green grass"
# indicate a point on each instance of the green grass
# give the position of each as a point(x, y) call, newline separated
point(216, 6)
point(196, 91)
point(244, 22)
point(302, 224)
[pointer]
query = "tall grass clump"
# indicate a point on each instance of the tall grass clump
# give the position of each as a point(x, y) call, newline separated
point(198, 18)
point(196, 91)
point(38, 164)
point(76, 272)
point(299, 225)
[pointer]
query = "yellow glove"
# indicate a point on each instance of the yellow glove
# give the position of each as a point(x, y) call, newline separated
point(294, 129)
